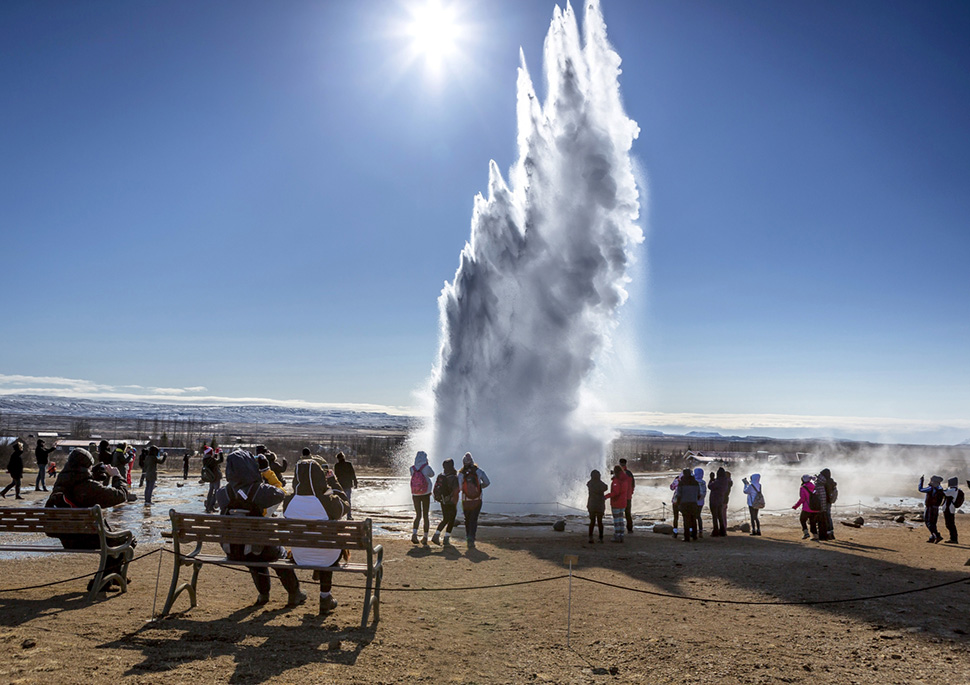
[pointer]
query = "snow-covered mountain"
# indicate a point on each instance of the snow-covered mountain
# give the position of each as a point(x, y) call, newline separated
point(208, 413)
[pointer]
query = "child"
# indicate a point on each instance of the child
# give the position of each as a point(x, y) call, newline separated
point(52, 469)
point(618, 495)
point(596, 502)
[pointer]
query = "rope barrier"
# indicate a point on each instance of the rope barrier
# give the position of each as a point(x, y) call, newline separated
point(68, 580)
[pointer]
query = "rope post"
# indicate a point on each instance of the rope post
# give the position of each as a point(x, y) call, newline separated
point(570, 559)
point(664, 504)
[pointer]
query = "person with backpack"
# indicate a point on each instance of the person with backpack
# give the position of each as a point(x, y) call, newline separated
point(809, 501)
point(702, 486)
point(828, 493)
point(15, 467)
point(421, 475)
point(618, 495)
point(446, 492)
point(211, 474)
point(953, 500)
point(628, 512)
point(756, 501)
point(688, 492)
point(247, 494)
point(471, 481)
point(934, 499)
point(314, 499)
point(596, 502)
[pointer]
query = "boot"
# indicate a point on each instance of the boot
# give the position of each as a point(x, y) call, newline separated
point(296, 599)
point(414, 538)
point(327, 604)
point(436, 538)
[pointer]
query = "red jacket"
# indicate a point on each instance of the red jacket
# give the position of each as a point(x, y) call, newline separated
point(619, 493)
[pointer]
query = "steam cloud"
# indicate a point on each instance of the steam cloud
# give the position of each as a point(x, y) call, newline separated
point(535, 297)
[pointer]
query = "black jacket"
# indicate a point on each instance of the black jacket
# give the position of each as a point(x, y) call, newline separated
point(346, 476)
point(15, 467)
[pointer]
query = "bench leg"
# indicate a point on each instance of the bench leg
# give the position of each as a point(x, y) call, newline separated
point(175, 589)
point(368, 601)
point(377, 595)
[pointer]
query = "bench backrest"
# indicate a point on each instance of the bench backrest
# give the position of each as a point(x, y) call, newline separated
point(256, 530)
point(54, 521)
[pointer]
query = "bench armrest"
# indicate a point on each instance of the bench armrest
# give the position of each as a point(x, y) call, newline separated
point(379, 556)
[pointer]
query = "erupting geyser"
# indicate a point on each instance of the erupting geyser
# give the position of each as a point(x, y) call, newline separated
point(535, 297)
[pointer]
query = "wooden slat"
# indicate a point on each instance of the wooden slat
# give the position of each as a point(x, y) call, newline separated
point(253, 530)
point(351, 567)
point(55, 521)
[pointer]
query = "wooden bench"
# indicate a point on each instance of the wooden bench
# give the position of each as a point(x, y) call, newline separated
point(355, 536)
point(70, 522)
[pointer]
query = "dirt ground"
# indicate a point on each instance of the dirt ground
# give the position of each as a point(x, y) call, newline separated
point(518, 634)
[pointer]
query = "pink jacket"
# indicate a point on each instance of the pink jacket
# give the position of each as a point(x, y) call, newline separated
point(803, 495)
point(619, 493)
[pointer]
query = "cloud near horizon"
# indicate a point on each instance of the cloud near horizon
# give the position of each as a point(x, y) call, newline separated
point(879, 429)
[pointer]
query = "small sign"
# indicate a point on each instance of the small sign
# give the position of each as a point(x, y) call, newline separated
point(571, 559)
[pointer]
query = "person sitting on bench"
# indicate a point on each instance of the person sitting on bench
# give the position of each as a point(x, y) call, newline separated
point(80, 485)
point(314, 499)
point(246, 494)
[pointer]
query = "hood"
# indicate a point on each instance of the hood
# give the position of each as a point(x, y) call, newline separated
point(826, 473)
point(756, 478)
point(448, 466)
point(953, 482)
point(720, 472)
point(420, 460)
point(309, 478)
point(242, 470)
point(698, 474)
point(80, 461)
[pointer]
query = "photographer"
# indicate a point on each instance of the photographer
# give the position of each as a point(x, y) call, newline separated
point(82, 484)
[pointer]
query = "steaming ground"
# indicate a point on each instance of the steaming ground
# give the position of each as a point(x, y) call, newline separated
point(535, 297)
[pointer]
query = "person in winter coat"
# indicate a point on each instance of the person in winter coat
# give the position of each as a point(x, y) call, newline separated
point(212, 461)
point(688, 492)
point(421, 486)
point(752, 490)
point(675, 502)
point(314, 499)
point(809, 516)
point(15, 467)
point(629, 505)
point(827, 491)
point(246, 494)
point(347, 477)
point(618, 495)
point(76, 486)
point(105, 455)
point(447, 491)
point(150, 471)
point(472, 481)
point(41, 454)
point(934, 499)
point(596, 502)
point(950, 506)
point(720, 492)
point(185, 466)
point(702, 485)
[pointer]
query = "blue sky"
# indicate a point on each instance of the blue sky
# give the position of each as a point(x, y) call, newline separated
point(252, 199)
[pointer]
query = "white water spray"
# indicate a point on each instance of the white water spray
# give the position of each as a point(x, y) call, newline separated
point(535, 297)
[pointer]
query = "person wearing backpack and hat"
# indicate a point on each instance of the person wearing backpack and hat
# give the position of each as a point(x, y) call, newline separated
point(247, 494)
point(934, 498)
point(471, 480)
point(808, 500)
point(421, 475)
point(953, 500)
point(756, 501)
point(314, 499)
point(446, 492)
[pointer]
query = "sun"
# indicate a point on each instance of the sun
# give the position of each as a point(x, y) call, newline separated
point(435, 32)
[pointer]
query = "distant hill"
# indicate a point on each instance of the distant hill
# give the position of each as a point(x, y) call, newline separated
point(703, 434)
point(208, 413)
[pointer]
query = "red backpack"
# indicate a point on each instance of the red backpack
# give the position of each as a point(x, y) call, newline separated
point(471, 486)
point(419, 482)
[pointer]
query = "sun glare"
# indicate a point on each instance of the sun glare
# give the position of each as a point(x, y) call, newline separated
point(435, 33)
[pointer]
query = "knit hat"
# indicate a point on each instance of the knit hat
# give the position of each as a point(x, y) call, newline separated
point(936, 480)
point(467, 459)
point(953, 482)
point(807, 478)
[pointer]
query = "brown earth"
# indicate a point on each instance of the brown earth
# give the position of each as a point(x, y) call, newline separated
point(518, 634)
